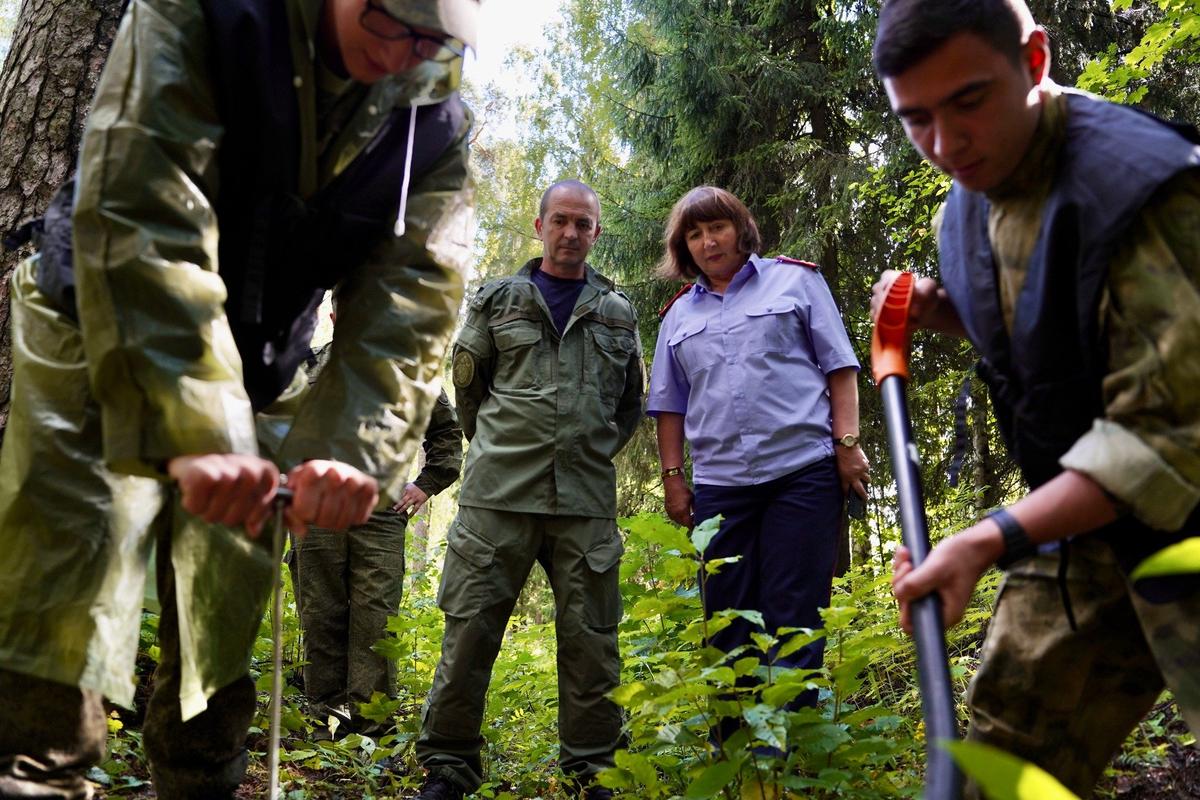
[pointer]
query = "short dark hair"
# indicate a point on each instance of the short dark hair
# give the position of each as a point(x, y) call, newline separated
point(703, 204)
point(567, 184)
point(910, 30)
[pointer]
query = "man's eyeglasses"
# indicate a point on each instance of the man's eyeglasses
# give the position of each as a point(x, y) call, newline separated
point(378, 21)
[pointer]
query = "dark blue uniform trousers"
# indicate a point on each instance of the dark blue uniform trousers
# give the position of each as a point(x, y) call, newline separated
point(786, 532)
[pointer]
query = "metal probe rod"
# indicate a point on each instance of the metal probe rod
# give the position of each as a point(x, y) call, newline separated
point(283, 496)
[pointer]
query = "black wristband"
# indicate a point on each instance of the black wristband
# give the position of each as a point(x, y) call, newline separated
point(1017, 544)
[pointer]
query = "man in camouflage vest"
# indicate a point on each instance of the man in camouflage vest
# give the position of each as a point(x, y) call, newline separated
point(1069, 252)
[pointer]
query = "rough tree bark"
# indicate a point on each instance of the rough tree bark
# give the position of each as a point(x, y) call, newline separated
point(46, 86)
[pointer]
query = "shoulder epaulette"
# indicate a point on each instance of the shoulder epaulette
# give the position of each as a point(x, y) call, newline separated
point(797, 262)
point(489, 289)
point(662, 312)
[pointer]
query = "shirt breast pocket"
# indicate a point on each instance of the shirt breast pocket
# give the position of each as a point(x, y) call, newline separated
point(520, 355)
point(694, 347)
point(772, 327)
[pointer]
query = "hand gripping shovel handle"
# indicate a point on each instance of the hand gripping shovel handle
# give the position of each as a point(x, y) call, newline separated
point(283, 496)
point(889, 363)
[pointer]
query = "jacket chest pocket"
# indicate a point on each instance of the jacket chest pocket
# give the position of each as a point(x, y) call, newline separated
point(694, 347)
point(520, 355)
point(772, 327)
point(608, 354)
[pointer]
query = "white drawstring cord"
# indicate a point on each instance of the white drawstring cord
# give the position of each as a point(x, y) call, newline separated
point(412, 132)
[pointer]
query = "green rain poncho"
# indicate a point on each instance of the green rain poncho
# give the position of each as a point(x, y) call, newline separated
point(152, 372)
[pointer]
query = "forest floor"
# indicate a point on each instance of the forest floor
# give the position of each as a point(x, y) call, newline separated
point(1170, 771)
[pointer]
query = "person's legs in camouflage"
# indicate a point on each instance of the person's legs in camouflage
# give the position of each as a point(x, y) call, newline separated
point(52, 734)
point(375, 587)
point(204, 758)
point(1173, 631)
point(581, 557)
point(488, 559)
point(322, 563)
point(1064, 700)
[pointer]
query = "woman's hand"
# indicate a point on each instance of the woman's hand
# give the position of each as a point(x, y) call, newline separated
point(329, 494)
point(854, 469)
point(226, 488)
point(678, 500)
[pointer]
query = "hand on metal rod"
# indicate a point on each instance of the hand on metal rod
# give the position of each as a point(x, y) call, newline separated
point(329, 494)
point(920, 608)
point(226, 488)
point(237, 489)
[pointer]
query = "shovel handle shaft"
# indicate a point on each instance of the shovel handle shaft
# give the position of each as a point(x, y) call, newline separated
point(889, 362)
point(942, 781)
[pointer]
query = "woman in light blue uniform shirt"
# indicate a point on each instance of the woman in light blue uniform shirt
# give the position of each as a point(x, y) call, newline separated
point(754, 369)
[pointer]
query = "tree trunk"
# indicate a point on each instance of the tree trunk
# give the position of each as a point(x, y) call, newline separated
point(986, 474)
point(419, 528)
point(46, 86)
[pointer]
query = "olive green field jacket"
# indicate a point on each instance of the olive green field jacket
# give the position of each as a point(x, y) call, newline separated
point(545, 414)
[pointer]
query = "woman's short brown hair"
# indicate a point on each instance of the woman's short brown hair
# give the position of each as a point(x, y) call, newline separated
point(703, 204)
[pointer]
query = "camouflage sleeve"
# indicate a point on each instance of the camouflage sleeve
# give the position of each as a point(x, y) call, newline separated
point(472, 363)
point(1146, 449)
point(443, 449)
point(632, 407)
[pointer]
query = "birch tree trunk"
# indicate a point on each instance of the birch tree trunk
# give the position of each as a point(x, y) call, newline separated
point(46, 85)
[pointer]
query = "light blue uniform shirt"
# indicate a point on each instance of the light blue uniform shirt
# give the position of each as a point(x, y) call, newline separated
point(748, 372)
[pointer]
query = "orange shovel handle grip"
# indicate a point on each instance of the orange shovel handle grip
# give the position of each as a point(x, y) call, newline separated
point(891, 338)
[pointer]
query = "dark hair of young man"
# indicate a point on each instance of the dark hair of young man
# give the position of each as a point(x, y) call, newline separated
point(703, 204)
point(910, 30)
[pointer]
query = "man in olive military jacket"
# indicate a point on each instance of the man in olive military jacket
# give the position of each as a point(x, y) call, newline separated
point(549, 387)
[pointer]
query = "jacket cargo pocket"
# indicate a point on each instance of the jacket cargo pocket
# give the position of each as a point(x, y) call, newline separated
point(520, 355)
point(609, 356)
point(468, 571)
point(603, 607)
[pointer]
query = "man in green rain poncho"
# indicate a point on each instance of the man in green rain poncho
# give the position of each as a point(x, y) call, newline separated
point(241, 157)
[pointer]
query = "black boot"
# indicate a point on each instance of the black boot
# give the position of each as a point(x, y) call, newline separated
point(438, 788)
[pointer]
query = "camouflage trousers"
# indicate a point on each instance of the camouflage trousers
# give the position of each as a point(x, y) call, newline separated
point(347, 585)
point(1066, 699)
point(52, 733)
point(489, 556)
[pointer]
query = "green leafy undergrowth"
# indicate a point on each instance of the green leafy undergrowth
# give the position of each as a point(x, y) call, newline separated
point(864, 739)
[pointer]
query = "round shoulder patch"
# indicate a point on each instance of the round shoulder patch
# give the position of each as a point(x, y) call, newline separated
point(464, 369)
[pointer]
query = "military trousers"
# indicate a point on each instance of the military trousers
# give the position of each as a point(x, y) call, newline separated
point(488, 559)
point(1066, 699)
point(347, 585)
